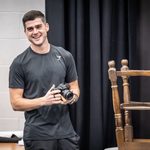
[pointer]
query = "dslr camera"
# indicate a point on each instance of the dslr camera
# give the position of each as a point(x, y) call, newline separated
point(64, 91)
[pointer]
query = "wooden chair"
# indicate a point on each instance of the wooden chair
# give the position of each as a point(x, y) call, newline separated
point(123, 109)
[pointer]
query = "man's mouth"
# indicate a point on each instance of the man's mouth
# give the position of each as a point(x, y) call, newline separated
point(36, 38)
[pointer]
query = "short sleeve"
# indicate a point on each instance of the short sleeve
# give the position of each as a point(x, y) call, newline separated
point(16, 76)
point(71, 69)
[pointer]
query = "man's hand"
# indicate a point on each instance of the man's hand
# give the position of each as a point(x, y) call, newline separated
point(65, 101)
point(52, 97)
point(73, 100)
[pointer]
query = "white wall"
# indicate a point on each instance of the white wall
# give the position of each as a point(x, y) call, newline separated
point(12, 42)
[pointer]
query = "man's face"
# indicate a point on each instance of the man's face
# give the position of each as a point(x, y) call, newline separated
point(36, 31)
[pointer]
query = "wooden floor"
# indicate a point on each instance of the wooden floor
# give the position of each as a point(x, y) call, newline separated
point(111, 148)
point(11, 146)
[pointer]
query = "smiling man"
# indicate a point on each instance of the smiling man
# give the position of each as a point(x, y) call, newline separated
point(32, 77)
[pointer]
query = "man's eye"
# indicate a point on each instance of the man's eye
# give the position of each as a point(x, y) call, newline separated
point(29, 29)
point(38, 26)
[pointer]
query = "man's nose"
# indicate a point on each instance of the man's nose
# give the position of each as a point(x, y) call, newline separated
point(35, 30)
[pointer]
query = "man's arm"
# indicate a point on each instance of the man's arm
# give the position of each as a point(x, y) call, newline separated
point(74, 87)
point(23, 104)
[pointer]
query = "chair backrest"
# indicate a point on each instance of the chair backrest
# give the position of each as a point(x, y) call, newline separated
point(122, 110)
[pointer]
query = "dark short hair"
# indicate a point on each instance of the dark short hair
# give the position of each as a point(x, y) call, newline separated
point(31, 15)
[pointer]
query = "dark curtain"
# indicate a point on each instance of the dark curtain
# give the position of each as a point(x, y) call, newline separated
point(96, 31)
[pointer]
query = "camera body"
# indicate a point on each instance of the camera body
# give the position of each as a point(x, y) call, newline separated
point(64, 91)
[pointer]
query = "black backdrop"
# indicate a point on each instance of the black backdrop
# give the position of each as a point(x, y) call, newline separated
point(95, 31)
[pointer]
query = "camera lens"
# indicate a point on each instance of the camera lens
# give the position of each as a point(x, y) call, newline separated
point(67, 94)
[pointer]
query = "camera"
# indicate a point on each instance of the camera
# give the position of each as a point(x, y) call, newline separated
point(64, 91)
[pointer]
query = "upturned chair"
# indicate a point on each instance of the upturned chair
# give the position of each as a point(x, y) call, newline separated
point(123, 109)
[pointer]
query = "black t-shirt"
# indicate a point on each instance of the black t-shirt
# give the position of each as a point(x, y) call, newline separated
point(36, 73)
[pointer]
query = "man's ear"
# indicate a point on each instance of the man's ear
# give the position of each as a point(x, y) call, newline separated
point(47, 26)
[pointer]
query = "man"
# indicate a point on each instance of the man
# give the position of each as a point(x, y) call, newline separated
point(32, 77)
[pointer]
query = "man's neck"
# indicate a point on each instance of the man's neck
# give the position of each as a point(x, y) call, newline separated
point(41, 49)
